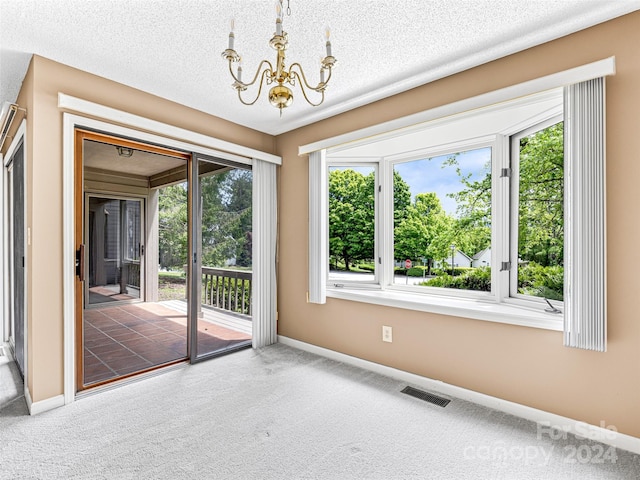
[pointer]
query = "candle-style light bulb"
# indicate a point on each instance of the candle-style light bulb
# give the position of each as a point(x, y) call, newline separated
point(279, 14)
point(232, 37)
point(327, 35)
point(239, 72)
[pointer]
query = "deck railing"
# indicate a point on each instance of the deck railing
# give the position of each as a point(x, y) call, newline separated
point(227, 289)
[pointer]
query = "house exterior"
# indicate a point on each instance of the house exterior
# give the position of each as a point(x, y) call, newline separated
point(523, 365)
point(482, 258)
point(460, 259)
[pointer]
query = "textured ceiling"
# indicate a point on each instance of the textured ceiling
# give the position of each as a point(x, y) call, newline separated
point(171, 48)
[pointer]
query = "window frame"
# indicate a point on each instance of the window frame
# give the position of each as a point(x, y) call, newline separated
point(580, 89)
point(388, 259)
point(497, 305)
point(367, 284)
point(514, 202)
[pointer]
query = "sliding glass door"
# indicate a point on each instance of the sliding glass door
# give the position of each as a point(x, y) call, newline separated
point(222, 275)
point(164, 258)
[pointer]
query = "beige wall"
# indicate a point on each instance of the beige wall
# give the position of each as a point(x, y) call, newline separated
point(40, 95)
point(525, 365)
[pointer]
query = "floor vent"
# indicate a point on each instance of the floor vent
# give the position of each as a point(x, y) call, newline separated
point(427, 397)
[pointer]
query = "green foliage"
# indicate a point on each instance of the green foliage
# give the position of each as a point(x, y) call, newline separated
point(471, 231)
point(477, 279)
point(457, 271)
point(226, 218)
point(226, 221)
point(541, 208)
point(401, 199)
point(351, 216)
point(173, 226)
point(366, 267)
point(423, 231)
point(533, 279)
point(424, 221)
point(416, 272)
point(541, 281)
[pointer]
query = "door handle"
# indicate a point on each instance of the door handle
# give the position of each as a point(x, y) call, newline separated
point(80, 262)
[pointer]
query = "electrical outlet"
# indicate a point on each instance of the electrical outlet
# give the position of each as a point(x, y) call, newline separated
point(387, 334)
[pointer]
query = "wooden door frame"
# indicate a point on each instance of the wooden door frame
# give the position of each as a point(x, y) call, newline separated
point(80, 135)
point(82, 114)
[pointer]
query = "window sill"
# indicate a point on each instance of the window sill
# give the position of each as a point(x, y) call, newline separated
point(455, 306)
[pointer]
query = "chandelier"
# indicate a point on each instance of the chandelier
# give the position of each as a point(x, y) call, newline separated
point(280, 95)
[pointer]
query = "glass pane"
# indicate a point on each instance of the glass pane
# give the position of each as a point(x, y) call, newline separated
point(442, 221)
point(114, 246)
point(541, 214)
point(172, 242)
point(224, 316)
point(351, 223)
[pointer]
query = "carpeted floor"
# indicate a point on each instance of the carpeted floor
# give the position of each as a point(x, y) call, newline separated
point(279, 413)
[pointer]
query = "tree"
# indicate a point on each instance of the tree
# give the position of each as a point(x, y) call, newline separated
point(173, 226)
point(471, 231)
point(541, 206)
point(424, 222)
point(351, 215)
point(226, 218)
point(401, 198)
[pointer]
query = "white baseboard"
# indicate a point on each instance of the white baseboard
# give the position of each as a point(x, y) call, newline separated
point(545, 420)
point(43, 405)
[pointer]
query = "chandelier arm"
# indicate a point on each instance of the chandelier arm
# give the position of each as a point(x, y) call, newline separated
point(304, 92)
point(264, 73)
point(326, 82)
point(301, 75)
point(258, 72)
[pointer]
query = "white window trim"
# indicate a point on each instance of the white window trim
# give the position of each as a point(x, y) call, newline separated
point(515, 297)
point(600, 68)
point(388, 259)
point(318, 227)
point(494, 306)
point(337, 283)
point(503, 309)
point(454, 306)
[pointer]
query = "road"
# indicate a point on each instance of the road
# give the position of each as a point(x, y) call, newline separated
point(367, 277)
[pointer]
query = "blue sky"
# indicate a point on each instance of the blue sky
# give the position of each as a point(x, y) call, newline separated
point(430, 175)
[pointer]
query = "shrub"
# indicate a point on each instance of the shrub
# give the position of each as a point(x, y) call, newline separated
point(478, 279)
point(416, 271)
point(457, 271)
point(368, 267)
point(533, 279)
point(539, 281)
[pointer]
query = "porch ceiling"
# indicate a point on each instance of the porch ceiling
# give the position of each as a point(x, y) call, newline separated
point(102, 156)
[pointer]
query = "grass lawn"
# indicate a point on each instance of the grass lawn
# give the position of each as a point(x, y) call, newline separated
point(172, 286)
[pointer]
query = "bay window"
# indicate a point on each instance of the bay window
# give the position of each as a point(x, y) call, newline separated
point(473, 214)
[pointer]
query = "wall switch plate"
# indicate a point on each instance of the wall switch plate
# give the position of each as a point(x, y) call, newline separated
point(387, 334)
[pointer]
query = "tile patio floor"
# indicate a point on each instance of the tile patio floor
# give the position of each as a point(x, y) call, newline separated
point(128, 338)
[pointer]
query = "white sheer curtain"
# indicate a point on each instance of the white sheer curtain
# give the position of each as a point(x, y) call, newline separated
point(265, 207)
point(318, 214)
point(585, 319)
